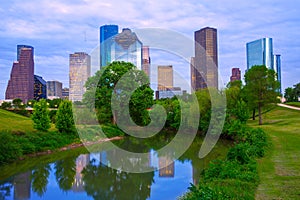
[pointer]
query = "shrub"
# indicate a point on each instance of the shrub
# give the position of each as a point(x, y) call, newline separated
point(9, 147)
point(40, 116)
point(64, 118)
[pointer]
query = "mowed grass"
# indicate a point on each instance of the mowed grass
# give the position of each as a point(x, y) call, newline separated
point(296, 104)
point(14, 122)
point(279, 170)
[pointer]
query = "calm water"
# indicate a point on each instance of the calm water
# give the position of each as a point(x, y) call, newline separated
point(79, 174)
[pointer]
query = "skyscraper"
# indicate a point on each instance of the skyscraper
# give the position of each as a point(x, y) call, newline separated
point(235, 74)
point(54, 89)
point(165, 77)
point(20, 46)
point(21, 82)
point(80, 71)
point(277, 69)
point(206, 58)
point(127, 47)
point(106, 38)
point(40, 88)
point(260, 52)
point(146, 60)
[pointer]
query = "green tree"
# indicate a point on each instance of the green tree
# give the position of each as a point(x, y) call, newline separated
point(261, 87)
point(101, 88)
point(40, 116)
point(6, 105)
point(290, 94)
point(64, 118)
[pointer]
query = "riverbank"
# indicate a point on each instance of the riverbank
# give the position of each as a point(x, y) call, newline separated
point(279, 170)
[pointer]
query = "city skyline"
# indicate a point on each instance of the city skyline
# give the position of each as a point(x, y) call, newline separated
point(59, 28)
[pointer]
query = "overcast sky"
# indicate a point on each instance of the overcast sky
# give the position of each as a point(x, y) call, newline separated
point(56, 28)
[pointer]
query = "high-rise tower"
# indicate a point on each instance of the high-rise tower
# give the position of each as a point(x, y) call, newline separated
point(206, 58)
point(21, 82)
point(106, 35)
point(80, 71)
point(260, 52)
point(146, 60)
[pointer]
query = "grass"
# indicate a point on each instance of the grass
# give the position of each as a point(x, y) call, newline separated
point(13, 122)
point(279, 170)
point(296, 104)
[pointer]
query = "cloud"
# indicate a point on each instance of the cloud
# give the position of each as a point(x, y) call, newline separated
point(57, 28)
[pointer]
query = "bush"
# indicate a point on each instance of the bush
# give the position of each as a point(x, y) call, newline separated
point(9, 147)
point(40, 116)
point(64, 118)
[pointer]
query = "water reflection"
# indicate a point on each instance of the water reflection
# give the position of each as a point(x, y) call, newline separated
point(88, 176)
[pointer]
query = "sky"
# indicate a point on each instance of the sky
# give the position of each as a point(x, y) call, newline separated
point(57, 28)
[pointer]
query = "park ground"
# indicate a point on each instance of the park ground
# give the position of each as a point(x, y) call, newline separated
point(279, 170)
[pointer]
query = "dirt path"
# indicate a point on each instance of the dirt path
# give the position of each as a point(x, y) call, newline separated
point(287, 106)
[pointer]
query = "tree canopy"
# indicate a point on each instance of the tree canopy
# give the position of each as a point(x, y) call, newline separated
point(261, 87)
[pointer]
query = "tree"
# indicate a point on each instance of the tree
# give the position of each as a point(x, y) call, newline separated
point(297, 90)
point(290, 95)
point(261, 87)
point(101, 89)
point(40, 116)
point(64, 118)
point(6, 105)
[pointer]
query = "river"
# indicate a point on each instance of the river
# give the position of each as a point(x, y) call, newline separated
point(81, 174)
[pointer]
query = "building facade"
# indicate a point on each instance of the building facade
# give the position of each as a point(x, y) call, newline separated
point(40, 88)
point(235, 74)
point(260, 52)
point(146, 62)
point(127, 47)
point(106, 39)
point(54, 89)
point(65, 93)
point(164, 77)
point(79, 72)
point(206, 59)
point(277, 69)
point(21, 82)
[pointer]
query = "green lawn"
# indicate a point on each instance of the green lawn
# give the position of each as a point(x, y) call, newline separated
point(279, 170)
point(296, 104)
point(14, 122)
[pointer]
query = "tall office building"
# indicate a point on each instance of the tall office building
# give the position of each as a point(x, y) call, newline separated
point(260, 52)
point(54, 89)
point(80, 71)
point(235, 74)
point(127, 47)
point(146, 60)
point(164, 77)
point(106, 39)
point(40, 88)
point(193, 73)
point(21, 82)
point(277, 69)
point(166, 167)
point(21, 46)
point(206, 58)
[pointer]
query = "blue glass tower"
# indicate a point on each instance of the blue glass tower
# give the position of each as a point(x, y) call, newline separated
point(260, 52)
point(277, 69)
point(106, 34)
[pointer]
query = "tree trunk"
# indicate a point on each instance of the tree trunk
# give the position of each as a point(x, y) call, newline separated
point(253, 114)
point(259, 114)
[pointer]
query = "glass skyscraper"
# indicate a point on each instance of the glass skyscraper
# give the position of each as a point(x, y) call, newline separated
point(260, 52)
point(106, 35)
point(277, 69)
point(127, 47)
point(204, 66)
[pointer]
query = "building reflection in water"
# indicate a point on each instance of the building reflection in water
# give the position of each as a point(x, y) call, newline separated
point(81, 162)
point(166, 167)
point(22, 186)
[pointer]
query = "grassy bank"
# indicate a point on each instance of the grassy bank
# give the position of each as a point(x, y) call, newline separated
point(279, 170)
point(19, 138)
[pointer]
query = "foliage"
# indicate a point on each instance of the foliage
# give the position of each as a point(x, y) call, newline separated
point(40, 116)
point(6, 105)
point(102, 86)
point(292, 94)
point(64, 118)
point(261, 87)
point(9, 147)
